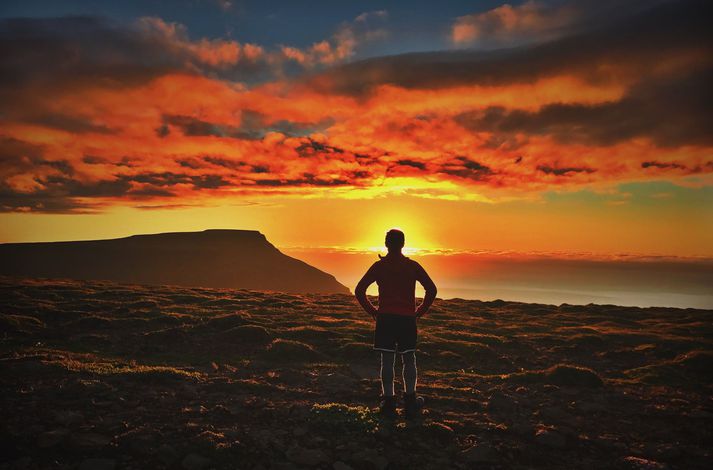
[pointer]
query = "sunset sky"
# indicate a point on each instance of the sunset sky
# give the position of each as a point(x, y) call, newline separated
point(540, 126)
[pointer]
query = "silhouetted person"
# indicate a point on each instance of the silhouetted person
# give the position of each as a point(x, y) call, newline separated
point(396, 330)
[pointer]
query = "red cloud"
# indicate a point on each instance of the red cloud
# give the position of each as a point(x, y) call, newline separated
point(118, 132)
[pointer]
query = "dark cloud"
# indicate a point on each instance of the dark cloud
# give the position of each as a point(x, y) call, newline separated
point(253, 126)
point(193, 127)
point(260, 169)
point(168, 178)
point(59, 194)
point(672, 111)
point(312, 148)
point(192, 163)
point(209, 182)
point(654, 164)
point(94, 51)
point(77, 52)
point(702, 168)
point(225, 163)
point(412, 163)
point(563, 171)
point(464, 167)
point(94, 160)
point(637, 44)
point(125, 162)
point(73, 124)
point(18, 156)
point(163, 130)
point(310, 179)
point(63, 194)
point(236, 165)
point(63, 166)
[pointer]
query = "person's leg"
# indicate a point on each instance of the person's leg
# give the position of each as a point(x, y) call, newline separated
point(412, 402)
point(387, 373)
point(410, 373)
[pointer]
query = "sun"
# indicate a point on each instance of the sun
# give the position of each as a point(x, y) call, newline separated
point(417, 239)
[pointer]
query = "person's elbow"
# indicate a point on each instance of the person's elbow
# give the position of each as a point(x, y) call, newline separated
point(360, 290)
point(432, 290)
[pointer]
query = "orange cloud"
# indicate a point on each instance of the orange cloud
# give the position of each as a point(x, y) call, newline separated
point(454, 126)
point(506, 22)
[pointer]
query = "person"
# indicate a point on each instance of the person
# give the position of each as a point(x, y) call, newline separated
point(396, 316)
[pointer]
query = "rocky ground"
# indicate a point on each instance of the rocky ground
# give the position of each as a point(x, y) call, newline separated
point(99, 375)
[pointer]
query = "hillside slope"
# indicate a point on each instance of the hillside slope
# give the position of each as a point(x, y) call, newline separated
point(241, 259)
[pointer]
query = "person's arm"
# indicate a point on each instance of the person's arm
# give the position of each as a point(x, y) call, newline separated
point(431, 291)
point(360, 291)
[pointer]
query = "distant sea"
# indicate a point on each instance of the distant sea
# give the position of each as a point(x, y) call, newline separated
point(627, 280)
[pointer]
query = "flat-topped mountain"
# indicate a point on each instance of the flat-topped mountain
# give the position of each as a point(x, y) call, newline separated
point(241, 259)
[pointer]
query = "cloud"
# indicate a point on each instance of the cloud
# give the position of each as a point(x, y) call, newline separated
point(539, 20)
point(96, 114)
point(671, 111)
point(253, 126)
point(366, 27)
point(628, 49)
point(506, 23)
point(563, 171)
point(464, 167)
point(220, 53)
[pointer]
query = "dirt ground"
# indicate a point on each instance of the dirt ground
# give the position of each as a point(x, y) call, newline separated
point(97, 375)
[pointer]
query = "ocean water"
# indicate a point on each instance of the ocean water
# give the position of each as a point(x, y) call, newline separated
point(550, 279)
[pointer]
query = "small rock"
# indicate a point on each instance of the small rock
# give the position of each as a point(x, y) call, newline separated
point(68, 417)
point(700, 414)
point(440, 431)
point(479, 453)
point(308, 457)
point(555, 414)
point(363, 372)
point(669, 452)
point(499, 401)
point(51, 438)
point(21, 463)
point(195, 462)
point(522, 429)
point(339, 465)
point(638, 463)
point(383, 432)
point(371, 456)
point(550, 438)
point(589, 407)
point(90, 440)
point(167, 454)
point(98, 464)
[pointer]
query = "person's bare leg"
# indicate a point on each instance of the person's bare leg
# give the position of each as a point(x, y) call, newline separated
point(410, 373)
point(388, 360)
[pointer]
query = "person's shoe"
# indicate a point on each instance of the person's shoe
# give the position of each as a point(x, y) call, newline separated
point(388, 407)
point(412, 405)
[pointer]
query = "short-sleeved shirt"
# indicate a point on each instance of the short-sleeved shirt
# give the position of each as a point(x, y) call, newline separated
point(396, 276)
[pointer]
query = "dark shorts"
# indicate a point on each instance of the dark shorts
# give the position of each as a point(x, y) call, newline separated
point(395, 333)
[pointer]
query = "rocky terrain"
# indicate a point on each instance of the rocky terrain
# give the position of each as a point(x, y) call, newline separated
point(98, 375)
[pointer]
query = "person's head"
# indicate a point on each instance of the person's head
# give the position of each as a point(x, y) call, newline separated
point(395, 240)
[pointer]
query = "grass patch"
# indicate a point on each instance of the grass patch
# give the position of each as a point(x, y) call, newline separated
point(250, 334)
point(139, 371)
point(689, 370)
point(340, 417)
point(289, 350)
point(19, 323)
point(562, 375)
